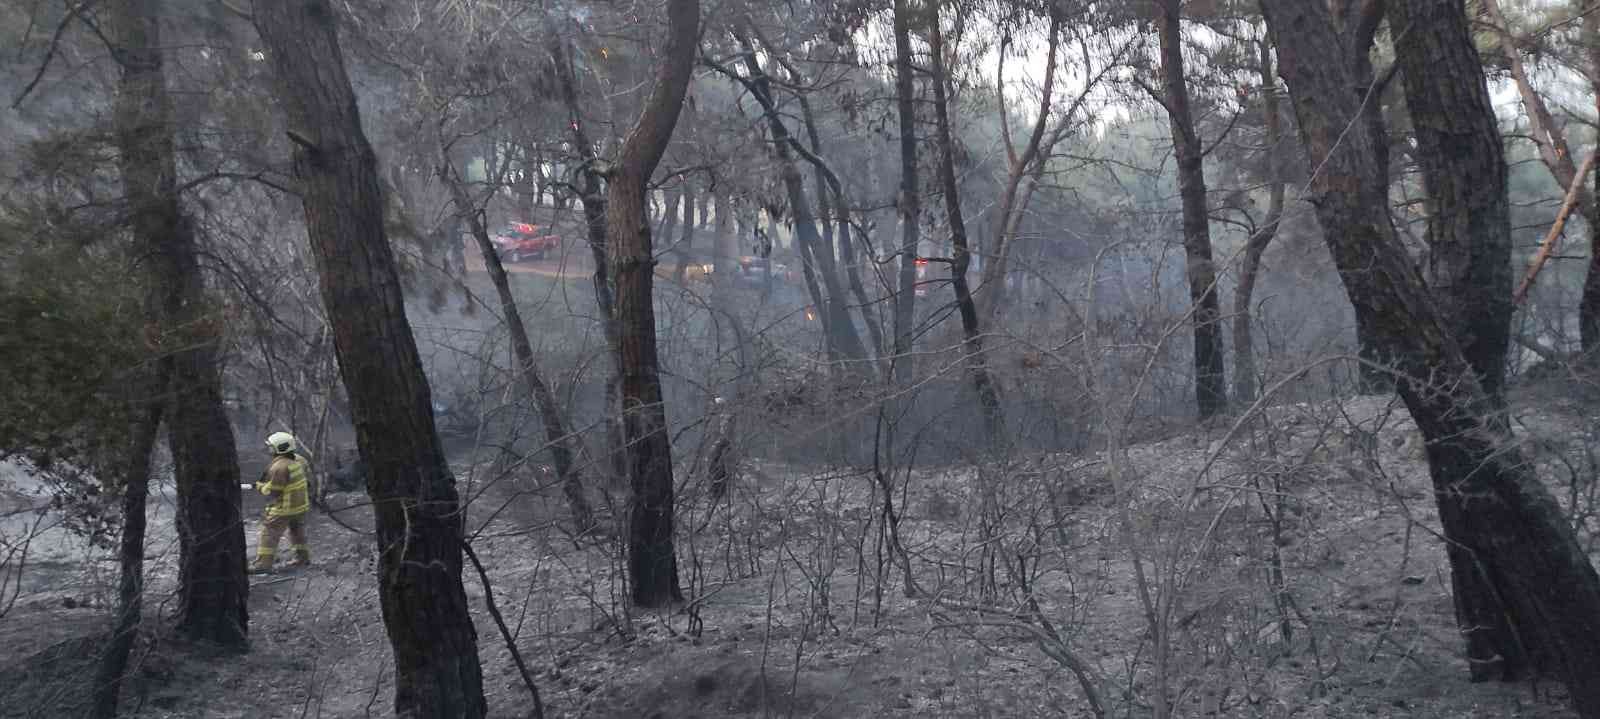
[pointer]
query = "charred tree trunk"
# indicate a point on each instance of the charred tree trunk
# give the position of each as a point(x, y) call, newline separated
point(212, 589)
point(1244, 353)
point(1500, 521)
point(972, 345)
point(560, 439)
point(593, 198)
point(819, 299)
point(836, 213)
point(909, 202)
point(1359, 20)
point(818, 257)
point(1464, 172)
point(835, 206)
point(1210, 383)
point(591, 194)
point(130, 586)
point(652, 559)
point(858, 290)
point(1463, 166)
point(416, 509)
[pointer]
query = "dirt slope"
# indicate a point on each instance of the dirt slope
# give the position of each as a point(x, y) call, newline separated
point(800, 608)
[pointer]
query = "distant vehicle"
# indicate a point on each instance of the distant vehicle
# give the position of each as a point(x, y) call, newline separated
point(748, 271)
point(522, 241)
point(752, 272)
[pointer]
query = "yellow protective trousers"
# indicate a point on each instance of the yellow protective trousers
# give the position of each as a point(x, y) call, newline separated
point(273, 530)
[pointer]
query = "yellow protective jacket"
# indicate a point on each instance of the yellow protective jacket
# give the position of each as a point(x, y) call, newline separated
point(285, 482)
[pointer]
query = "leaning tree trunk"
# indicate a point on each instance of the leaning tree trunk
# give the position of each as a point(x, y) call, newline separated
point(832, 200)
point(1244, 353)
point(652, 559)
point(841, 331)
point(212, 589)
point(834, 211)
point(972, 345)
point(1498, 519)
point(113, 664)
point(561, 441)
point(416, 508)
point(1210, 383)
point(1462, 159)
point(1463, 168)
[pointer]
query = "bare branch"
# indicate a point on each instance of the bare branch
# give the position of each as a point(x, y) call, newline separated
point(55, 43)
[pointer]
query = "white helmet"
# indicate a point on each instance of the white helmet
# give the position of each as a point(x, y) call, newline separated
point(282, 442)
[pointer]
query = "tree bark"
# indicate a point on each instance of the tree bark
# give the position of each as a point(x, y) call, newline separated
point(213, 591)
point(1244, 353)
point(1210, 383)
point(1499, 519)
point(972, 345)
point(1463, 166)
point(562, 442)
point(416, 509)
point(652, 559)
point(1469, 259)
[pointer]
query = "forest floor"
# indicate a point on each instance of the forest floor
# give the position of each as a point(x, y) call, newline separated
point(1317, 519)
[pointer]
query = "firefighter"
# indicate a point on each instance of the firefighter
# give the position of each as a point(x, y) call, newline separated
point(285, 483)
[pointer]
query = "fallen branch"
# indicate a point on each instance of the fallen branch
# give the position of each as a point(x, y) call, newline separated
point(1549, 244)
point(499, 621)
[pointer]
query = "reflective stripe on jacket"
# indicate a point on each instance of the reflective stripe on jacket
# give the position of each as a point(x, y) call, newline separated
point(286, 483)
